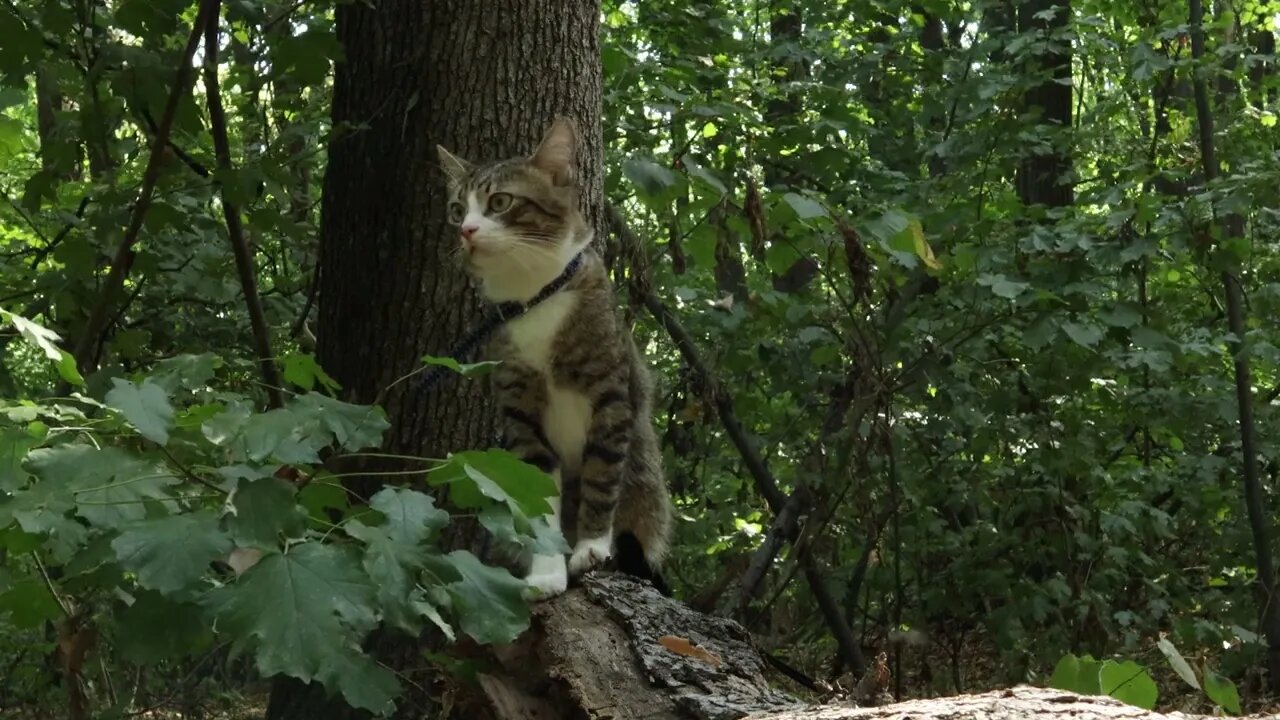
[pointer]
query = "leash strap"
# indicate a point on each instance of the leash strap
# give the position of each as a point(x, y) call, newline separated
point(500, 314)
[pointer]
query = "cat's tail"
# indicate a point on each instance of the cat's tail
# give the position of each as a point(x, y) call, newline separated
point(628, 553)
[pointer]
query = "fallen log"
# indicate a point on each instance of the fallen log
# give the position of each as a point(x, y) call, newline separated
point(614, 648)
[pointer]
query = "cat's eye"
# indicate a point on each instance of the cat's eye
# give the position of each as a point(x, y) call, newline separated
point(457, 211)
point(499, 202)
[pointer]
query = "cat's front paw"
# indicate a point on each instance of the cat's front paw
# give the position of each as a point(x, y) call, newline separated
point(590, 554)
point(547, 577)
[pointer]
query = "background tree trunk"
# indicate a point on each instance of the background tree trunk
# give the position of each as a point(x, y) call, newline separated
point(485, 84)
point(1042, 177)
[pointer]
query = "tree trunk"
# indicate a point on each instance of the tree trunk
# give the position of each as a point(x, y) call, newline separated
point(1043, 178)
point(418, 73)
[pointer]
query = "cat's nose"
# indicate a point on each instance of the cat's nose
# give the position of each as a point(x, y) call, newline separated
point(468, 231)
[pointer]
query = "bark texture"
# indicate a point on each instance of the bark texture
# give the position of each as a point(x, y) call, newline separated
point(1018, 703)
point(484, 80)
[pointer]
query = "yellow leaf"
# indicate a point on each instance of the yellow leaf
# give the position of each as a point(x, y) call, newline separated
point(682, 646)
point(922, 246)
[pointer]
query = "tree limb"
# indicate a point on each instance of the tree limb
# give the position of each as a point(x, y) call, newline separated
point(235, 232)
point(86, 349)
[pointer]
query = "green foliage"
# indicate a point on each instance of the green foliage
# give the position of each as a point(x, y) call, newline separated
point(1126, 681)
point(166, 504)
point(1077, 674)
point(1023, 416)
point(1221, 691)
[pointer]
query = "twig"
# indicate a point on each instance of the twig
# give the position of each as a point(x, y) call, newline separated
point(53, 589)
point(235, 232)
point(301, 322)
point(196, 166)
point(191, 474)
point(86, 353)
point(266, 27)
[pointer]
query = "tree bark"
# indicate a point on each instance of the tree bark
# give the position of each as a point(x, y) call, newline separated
point(486, 84)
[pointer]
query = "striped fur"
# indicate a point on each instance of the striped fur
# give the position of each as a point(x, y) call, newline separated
point(573, 388)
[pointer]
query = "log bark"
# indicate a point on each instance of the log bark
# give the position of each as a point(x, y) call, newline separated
point(1014, 703)
point(616, 648)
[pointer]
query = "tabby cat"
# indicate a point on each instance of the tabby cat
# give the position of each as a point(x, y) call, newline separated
point(574, 390)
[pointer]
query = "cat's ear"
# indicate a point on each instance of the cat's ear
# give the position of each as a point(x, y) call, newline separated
point(555, 153)
point(455, 167)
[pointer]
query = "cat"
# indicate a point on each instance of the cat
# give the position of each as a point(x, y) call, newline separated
point(574, 390)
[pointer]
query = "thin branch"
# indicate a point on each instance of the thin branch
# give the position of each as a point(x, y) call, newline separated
point(765, 483)
point(1254, 498)
point(782, 529)
point(266, 27)
point(235, 232)
point(301, 322)
point(86, 353)
point(196, 166)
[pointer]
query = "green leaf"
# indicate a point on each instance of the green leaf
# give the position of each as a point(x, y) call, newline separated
point(146, 407)
point(156, 628)
point(648, 176)
point(28, 603)
point(705, 176)
point(488, 602)
point(264, 511)
point(171, 554)
point(319, 497)
point(1041, 332)
point(297, 432)
point(395, 552)
point(14, 444)
point(282, 435)
point(1122, 315)
point(1077, 674)
point(106, 486)
point(354, 427)
point(47, 341)
point(498, 475)
point(1178, 663)
point(805, 207)
point(1083, 333)
point(302, 370)
point(1002, 286)
point(1128, 682)
point(1221, 691)
point(463, 369)
point(534, 535)
point(412, 517)
point(185, 372)
point(304, 613)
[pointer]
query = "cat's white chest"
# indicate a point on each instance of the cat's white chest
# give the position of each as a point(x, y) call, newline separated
point(534, 333)
point(568, 413)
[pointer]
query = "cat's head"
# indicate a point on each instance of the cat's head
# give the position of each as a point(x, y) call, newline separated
point(518, 219)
